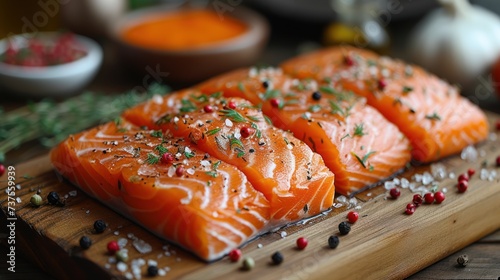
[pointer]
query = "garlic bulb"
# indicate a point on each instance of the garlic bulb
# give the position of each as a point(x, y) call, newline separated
point(458, 42)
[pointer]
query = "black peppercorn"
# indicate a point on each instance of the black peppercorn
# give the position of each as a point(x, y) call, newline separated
point(344, 228)
point(265, 84)
point(99, 226)
point(277, 258)
point(316, 95)
point(152, 270)
point(85, 242)
point(53, 198)
point(333, 241)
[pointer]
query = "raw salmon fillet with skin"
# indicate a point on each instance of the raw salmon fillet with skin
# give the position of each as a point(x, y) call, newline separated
point(210, 209)
point(291, 176)
point(356, 142)
point(431, 113)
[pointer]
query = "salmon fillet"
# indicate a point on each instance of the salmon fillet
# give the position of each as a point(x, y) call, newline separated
point(290, 175)
point(431, 113)
point(197, 201)
point(356, 142)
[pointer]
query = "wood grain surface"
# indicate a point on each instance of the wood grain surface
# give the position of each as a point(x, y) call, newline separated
point(385, 243)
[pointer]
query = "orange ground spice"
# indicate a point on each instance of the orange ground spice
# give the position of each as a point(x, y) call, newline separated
point(183, 29)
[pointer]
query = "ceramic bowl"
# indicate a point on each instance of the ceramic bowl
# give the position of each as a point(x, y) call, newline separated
point(56, 80)
point(189, 66)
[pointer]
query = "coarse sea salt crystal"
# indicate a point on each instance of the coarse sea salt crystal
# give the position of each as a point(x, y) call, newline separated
point(452, 175)
point(205, 163)
point(107, 266)
point(469, 154)
point(152, 262)
point(18, 186)
point(427, 178)
point(283, 234)
point(73, 193)
point(111, 260)
point(405, 183)
point(341, 199)
point(259, 246)
point(353, 202)
point(122, 242)
point(228, 123)
point(417, 178)
point(18, 200)
point(439, 171)
point(492, 137)
point(116, 233)
point(171, 171)
point(337, 205)
point(190, 171)
point(129, 275)
point(389, 185)
point(142, 246)
point(161, 272)
point(396, 181)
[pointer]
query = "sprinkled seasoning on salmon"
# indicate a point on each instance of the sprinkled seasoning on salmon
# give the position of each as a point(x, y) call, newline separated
point(209, 208)
point(290, 175)
point(430, 112)
point(356, 142)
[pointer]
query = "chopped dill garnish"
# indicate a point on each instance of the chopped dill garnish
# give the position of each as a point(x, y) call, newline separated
point(157, 133)
point(363, 160)
point(359, 129)
point(152, 159)
point(434, 116)
point(233, 115)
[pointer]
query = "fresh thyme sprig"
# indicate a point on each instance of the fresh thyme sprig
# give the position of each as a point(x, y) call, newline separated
point(51, 122)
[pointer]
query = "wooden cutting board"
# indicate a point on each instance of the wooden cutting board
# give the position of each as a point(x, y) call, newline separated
point(384, 243)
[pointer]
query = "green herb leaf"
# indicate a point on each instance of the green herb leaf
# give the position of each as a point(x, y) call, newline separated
point(268, 120)
point(241, 87)
point(152, 159)
point(359, 129)
point(407, 89)
point(188, 154)
point(211, 173)
point(212, 131)
point(270, 93)
point(187, 106)
point(363, 160)
point(157, 133)
point(327, 89)
point(434, 116)
point(161, 150)
point(232, 115)
point(253, 118)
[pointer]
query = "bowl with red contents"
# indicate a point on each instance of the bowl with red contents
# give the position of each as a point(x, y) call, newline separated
point(48, 64)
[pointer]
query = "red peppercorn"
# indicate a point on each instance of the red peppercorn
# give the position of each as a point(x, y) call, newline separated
point(439, 197)
point(462, 186)
point(498, 161)
point(302, 243)
point(410, 208)
point(2, 169)
point(208, 109)
point(471, 172)
point(463, 177)
point(246, 131)
point(179, 171)
point(167, 158)
point(498, 125)
point(429, 198)
point(395, 193)
point(348, 60)
point(113, 247)
point(231, 105)
point(235, 255)
point(417, 199)
point(275, 102)
point(381, 84)
point(352, 216)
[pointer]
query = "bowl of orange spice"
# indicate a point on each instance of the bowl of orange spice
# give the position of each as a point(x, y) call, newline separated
point(190, 44)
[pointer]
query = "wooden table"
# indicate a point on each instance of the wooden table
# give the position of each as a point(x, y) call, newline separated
point(484, 254)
